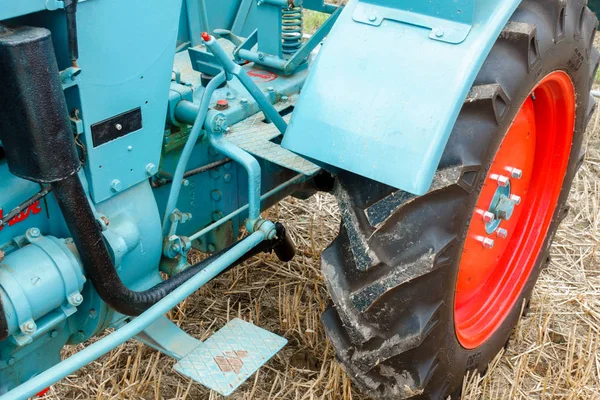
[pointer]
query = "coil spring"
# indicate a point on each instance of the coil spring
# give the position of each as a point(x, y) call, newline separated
point(292, 29)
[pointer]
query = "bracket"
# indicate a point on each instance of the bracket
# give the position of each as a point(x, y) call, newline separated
point(450, 22)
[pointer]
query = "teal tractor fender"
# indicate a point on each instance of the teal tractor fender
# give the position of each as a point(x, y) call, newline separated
point(386, 89)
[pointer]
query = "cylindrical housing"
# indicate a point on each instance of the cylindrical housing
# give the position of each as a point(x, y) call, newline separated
point(38, 279)
point(35, 129)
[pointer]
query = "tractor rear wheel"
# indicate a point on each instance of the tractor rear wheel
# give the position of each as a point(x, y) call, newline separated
point(426, 289)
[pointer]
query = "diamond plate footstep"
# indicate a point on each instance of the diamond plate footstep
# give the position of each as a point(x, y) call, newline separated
point(225, 360)
point(254, 136)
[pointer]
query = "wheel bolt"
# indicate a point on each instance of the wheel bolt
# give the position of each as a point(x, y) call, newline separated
point(516, 199)
point(488, 243)
point(502, 180)
point(516, 173)
point(502, 233)
point(488, 217)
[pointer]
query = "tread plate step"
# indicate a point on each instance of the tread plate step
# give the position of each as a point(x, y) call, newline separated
point(254, 136)
point(225, 360)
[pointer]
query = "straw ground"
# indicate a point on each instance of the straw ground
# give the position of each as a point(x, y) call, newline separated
point(554, 352)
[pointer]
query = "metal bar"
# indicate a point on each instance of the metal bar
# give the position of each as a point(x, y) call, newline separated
point(297, 179)
point(289, 66)
point(250, 164)
point(137, 325)
point(240, 18)
point(596, 93)
point(203, 16)
point(189, 147)
point(236, 70)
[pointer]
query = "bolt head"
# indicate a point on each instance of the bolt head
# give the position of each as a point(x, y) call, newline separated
point(516, 173)
point(76, 299)
point(175, 247)
point(129, 148)
point(34, 232)
point(503, 181)
point(151, 169)
point(185, 183)
point(502, 233)
point(516, 199)
point(116, 186)
point(488, 243)
point(373, 18)
point(488, 217)
point(29, 327)
point(439, 32)
point(119, 127)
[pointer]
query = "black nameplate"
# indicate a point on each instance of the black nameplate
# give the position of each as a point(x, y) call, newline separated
point(116, 127)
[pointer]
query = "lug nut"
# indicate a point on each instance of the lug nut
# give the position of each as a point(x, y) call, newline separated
point(516, 173)
point(488, 243)
point(516, 199)
point(502, 180)
point(488, 217)
point(502, 233)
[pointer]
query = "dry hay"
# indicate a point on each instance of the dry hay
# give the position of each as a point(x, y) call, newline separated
point(553, 354)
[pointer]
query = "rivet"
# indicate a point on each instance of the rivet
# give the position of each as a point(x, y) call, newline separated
point(502, 233)
point(227, 177)
point(185, 183)
point(119, 127)
point(373, 18)
point(129, 148)
point(439, 32)
point(116, 186)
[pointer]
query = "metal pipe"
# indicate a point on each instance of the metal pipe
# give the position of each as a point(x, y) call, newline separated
point(189, 148)
point(239, 72)
point(252, 167)
point(237, 212)
point(596, 93)
point(105, 345)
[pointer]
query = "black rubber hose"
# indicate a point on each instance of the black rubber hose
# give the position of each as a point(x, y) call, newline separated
point(71, 10)
point(98, 265)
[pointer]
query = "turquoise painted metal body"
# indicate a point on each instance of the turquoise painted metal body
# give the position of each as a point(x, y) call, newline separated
point(180, 134)
point(387, 111)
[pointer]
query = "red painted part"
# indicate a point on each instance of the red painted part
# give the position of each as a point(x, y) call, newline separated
point(222, 103)
point(43, 392)
point(490, 281)
point(205, 36)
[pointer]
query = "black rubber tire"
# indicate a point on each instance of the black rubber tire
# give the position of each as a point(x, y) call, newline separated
point(392, 270)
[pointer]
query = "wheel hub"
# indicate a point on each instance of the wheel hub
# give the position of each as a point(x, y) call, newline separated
point(514, 210)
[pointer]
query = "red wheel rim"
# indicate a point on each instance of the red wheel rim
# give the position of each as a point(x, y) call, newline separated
point(532, 162)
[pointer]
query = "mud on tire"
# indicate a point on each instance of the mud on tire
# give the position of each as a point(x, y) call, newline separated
point(392, 270)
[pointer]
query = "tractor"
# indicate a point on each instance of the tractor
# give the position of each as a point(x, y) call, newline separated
point(133, 131)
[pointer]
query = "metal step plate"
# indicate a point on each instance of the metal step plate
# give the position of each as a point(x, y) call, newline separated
point(254, 136)
point(225, 360)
